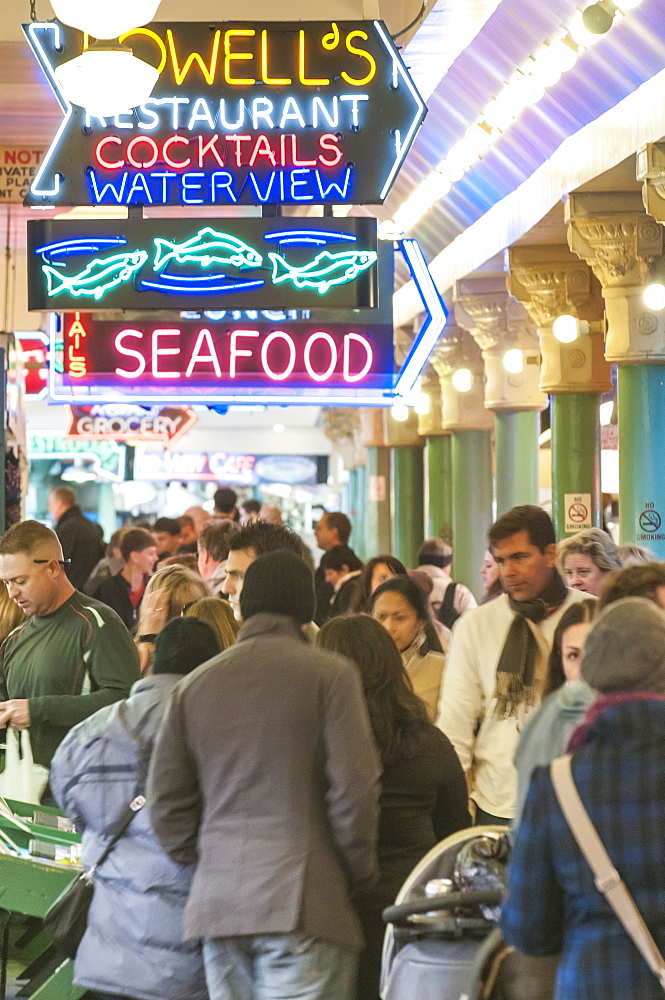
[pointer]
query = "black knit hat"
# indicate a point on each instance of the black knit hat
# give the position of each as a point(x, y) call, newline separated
point(279, 583)
point(183, 645)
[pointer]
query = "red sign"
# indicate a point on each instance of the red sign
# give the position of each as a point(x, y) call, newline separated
point(103, 423)
point(33, 348)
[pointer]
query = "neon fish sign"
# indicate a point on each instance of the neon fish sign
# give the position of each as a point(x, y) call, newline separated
point(177, 264)
point(277, 113)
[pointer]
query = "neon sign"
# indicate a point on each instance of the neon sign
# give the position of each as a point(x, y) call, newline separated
point(178, 263)
point(99, 423)
point(107, 458)
point(276, 113)
point(222, 466)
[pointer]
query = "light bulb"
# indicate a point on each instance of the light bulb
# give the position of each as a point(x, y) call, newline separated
point(463, 380)
point(278, 428)
point(565, 328)
point(653, 296)
point(581, 34)
point(513, 361)
point(103, 19)
point(624, 5)
point(400, 411)
point(422, 404)
point(107, 81)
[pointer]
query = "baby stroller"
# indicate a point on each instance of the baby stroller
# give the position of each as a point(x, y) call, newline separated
point(442, 941)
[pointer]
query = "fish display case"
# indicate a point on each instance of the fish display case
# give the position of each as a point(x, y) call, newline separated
point(29, 884)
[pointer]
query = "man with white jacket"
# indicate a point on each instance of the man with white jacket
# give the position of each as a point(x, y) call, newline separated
point(497, 661)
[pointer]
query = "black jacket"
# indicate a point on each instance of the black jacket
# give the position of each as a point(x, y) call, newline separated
point(114, 591)
point(82, 542)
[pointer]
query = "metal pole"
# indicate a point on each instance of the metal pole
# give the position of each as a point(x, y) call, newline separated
point(440, 487)
point(575, 462)
point(472, 504)
point(641, 466)
point(407, 496)
point(516, 448)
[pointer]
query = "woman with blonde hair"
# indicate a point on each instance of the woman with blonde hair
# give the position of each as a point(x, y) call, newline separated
point(219, 616)
point(586, 558)
point(166, 596)
point(11, 616)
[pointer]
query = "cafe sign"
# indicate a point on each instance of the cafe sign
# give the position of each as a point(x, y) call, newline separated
point(252, 113)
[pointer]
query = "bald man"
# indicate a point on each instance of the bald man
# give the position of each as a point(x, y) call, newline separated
point(72, 656)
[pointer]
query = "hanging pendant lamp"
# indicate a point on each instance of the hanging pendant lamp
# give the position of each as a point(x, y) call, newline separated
point(105, 18)
point(107, 80)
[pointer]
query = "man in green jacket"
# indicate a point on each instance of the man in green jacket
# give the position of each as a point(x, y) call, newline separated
point(72, 656)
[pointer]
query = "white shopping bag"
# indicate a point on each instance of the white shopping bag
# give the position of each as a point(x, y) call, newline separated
point(21, 779)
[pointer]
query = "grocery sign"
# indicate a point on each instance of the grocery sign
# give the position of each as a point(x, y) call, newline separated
point(307, 112)
point(175, 264)
point(166, 424)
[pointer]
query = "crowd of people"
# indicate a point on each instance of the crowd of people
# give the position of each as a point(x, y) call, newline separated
point(303, 737)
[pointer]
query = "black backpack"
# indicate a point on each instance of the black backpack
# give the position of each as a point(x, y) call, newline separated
point(446, 613)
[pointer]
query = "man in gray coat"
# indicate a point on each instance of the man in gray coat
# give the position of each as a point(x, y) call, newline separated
point(265, 776)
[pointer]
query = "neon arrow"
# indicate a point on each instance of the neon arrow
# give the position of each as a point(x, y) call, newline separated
point(402, 145)
point(433, 326)
point(46, 64)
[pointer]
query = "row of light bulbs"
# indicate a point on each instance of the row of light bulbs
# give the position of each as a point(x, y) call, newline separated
point(527, 86)
point(106, 79)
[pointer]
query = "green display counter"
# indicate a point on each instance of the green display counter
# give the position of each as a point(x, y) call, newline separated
point(28, 886)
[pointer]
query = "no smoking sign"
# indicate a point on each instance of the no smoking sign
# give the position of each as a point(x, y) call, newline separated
point(578, 511)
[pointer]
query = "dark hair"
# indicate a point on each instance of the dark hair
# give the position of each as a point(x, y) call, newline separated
point(135, 540)
point(183, 645)
point(576, 614)
point(396, 713)
point(185, 519)
point(339, 556)
point(185, 559)
point(534, 520)
point(365, 587)
point(340, 523)
point(225, 499)
point(251, 506)
point(641, 580)
point(409, 590)
point(215, 538)
point(435, 552)
point(264, 537)
point(167, 524)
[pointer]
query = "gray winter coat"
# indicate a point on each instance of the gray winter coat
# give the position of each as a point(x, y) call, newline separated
point(133, 944)
point(266, 776)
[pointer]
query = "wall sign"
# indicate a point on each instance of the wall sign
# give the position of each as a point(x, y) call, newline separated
point(578, 511)
point(126, 423)
point(308, 112)
point(106, 458)
point(178, 263)
point(33, 347)
point(18, 167)
point(225, 467)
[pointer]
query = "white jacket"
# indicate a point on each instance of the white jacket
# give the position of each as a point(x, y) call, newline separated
point(486, 745)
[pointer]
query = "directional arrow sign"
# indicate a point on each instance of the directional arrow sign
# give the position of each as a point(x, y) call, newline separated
point(242, 113)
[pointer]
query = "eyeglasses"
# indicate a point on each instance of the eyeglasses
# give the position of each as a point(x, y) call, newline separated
point(63, 562)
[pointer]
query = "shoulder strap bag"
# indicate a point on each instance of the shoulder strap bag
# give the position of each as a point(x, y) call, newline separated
point(607, 879)
point(67, 917)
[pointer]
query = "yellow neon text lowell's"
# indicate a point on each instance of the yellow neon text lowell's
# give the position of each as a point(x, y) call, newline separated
point(230, 56)
point(276, 80)
point(365, 55)
point(308, 82)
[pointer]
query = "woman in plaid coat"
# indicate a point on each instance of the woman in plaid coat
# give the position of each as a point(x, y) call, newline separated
point(553, 904)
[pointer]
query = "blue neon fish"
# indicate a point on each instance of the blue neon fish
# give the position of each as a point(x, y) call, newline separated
point(206, 248)
point(327, 269)
point(97, 277)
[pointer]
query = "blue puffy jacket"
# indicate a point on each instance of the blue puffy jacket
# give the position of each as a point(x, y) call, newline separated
point(133, 944)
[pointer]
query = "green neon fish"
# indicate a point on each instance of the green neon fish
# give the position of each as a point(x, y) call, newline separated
point(206, 248)
point(327, 269)
point(97, 277)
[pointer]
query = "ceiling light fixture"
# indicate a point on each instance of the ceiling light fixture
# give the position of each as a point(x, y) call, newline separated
point(105, 19)
point(462, 380)
point(527, 86)
point(513, 361)
point(653, 296)
point(107, 80)
point(400, 411)
point(567, 328)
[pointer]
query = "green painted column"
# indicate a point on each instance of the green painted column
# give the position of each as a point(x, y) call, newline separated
point(516, 449)
point(575, 420)
point(472, 504)
point(439, 489)
point(407, 503)
point(361, 512)
point(378, 539)
point(641, 466)
point(106, 514)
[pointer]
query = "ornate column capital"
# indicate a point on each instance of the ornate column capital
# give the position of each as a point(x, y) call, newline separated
point(342, 427)
point(461, 411)
point(498, 323)
point(613, 233)
point(552, 281)
point(431, 423)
